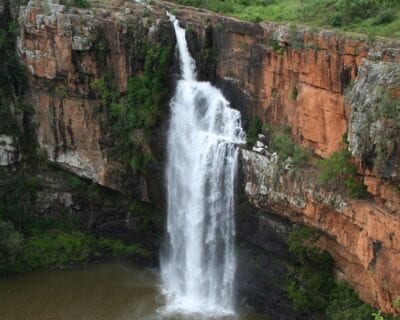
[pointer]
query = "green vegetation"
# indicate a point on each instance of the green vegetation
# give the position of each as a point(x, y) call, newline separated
point(75, 182)
point(255, 127)
point(396, 302)
point(12, 77)
point(17, 197)
point(76, 3)
point(147, 217)
point(282, 143)
point(29, 242)
point(294, 93)
point(387, 110)
point(337, 171)
point(389, 105)
point(312, 286)
point(141, 108)
point(374, 17)
point(378, 316)
point(50, 243)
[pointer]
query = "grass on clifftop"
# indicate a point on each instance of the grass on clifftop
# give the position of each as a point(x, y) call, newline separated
point(372, 17)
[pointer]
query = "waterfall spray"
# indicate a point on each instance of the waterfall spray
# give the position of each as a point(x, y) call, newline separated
point(198, 264)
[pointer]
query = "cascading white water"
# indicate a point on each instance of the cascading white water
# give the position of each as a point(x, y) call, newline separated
point(198, 265)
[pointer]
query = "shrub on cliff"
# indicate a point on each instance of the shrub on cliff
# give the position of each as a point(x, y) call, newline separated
point(315, 292)
point(76, 3)
point(339, 172)
point(311, 281)
point(57, 244)
point(281, 142)
point(255, 127)
point(133, 116)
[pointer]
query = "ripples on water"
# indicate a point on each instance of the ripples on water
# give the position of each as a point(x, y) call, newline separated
point(111, 291)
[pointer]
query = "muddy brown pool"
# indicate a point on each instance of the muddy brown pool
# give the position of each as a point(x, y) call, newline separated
point(109, 291)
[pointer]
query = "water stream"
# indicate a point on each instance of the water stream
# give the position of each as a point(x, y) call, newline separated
point(198, 264)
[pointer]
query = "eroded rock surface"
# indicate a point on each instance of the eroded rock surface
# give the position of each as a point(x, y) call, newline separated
point(361, 235)
point(65, 50)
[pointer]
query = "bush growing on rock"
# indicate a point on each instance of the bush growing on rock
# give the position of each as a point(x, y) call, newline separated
point(315, 292)
point(55, 247)
point(282, 143)
point(76, 3)
point(254, 129)
point(338, 171)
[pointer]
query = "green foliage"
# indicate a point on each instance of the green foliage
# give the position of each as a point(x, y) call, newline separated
point(75, 182)
point(396, 302)
point(339, 172)
point(384, 17)
point(147, 216)
point(275, 44)
point(12, 75)
point(16, 196)
point(378, 316)
point(312, 286)
point(255, 127)
point(76, 3)
point(311, 283)
point(105, 89)
point(53, 242)
point(294, 93)
point(56, 248)
point(118, 248)
point(141, 107)
point(390, 106)
point(375, 17)
point(140, 162)
point(345, 304)
point(282, 143)
point(10, 242)
point(387, 110)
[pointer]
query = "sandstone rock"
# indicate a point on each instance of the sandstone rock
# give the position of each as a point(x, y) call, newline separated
point(374, 128)
point(65, 51)
point(361, 235)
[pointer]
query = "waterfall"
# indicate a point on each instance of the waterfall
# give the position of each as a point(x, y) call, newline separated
point(198, 263)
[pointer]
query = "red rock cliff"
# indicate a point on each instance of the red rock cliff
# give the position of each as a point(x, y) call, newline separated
point(323, 85)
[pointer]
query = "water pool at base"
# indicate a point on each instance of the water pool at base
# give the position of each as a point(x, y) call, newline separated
point(109, 291)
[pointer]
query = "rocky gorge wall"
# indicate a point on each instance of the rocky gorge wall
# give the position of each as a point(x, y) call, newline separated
point(324, 86)
point(65, 51)
point(320, 83)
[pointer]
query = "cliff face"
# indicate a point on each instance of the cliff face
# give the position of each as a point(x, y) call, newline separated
point(320, 83)
point(64, 52)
